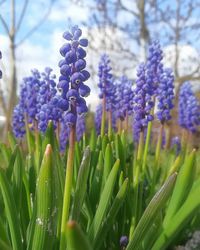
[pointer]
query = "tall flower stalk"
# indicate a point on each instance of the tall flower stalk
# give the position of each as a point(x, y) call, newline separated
point(106, 91)
point(73, 89)
point(165, 98)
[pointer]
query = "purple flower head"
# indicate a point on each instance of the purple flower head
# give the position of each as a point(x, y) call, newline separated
point(189, 108)
point(142, 103)
point(48, 101)
point(165, 95)
point(80, 127)
point(18, 123)
point(73, 75)
point(154, 64)
point(123, 241)
point(176, 142)
point(0, 70)
point(123, 97)
point(64, 135)
point(97, 118)
point(106, 85)
point(28, 95)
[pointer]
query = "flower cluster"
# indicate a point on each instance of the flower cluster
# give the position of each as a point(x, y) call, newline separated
point(176, 142)
point(165, 95)
point(18, 122)
point(73, 75)
point(0, 70)
point(106, 85)
point(154, 64)
point(124, 97)
point(97, 118)
point(189, 108)
point(142, 100)
point(27, 107)
point(47, 102)
point(80, 127)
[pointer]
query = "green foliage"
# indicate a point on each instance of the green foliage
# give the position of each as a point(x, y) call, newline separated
point(114, 192)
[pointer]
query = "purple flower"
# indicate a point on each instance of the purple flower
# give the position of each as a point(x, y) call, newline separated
point(80, 127)
point(154, 64)
point(124, 97)
point(142, 103)
point(97, 118)
point(73, 75)
point(64, 135)
point(165, 95)
point(18, 123)
point(123, 241)
point(106, 85)
point(176, 142)
point(189, 108)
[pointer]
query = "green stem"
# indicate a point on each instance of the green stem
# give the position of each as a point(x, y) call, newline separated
point(158, 147)
point(146, 147)
point(109, 124)
point(137, 174)
point(27, 134)
point(68, 187)
point(103, 118)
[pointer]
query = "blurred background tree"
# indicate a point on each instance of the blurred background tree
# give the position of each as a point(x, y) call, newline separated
point(12, 26)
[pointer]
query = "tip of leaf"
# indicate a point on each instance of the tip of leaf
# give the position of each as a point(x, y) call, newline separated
point(48, 150)
point(71, 224)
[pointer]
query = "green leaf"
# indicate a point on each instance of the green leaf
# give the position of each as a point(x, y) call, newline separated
point(41, 233)
point(108, 163)
point(104, 201)
point(81, 185)
point(76, 240)
point(183, 185)
point(180, 219)
point(156, 204)
point(109, 221)
point(11, 211)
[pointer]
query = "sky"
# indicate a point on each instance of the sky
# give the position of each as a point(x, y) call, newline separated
point(42, 48)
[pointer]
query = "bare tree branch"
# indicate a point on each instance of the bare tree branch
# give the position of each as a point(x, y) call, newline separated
point(35, 28)
point(23, 12)
point(5, 25)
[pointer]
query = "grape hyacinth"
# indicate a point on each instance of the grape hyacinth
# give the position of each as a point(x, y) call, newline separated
point(189, 108)
point(73, 90)
point(154, 64)
point(73, 75)
point(176, 142)
point(26, 110)
point(80, 127)
point(105, 78)
point(165, 95)
point(64, 135)
point(142, 103)
point(28, 95)
point(124, 97)
point(97, 118)
point(48, 108)
point(18, 121)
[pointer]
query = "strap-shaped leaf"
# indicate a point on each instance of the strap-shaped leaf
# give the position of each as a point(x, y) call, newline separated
point(104, 201)
point(183, 185)
point(11, 211)
point(81, 185)
point(156, 204)
point(108, 222)
point(76, 239)
point(41, 232)
point(180, 219)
